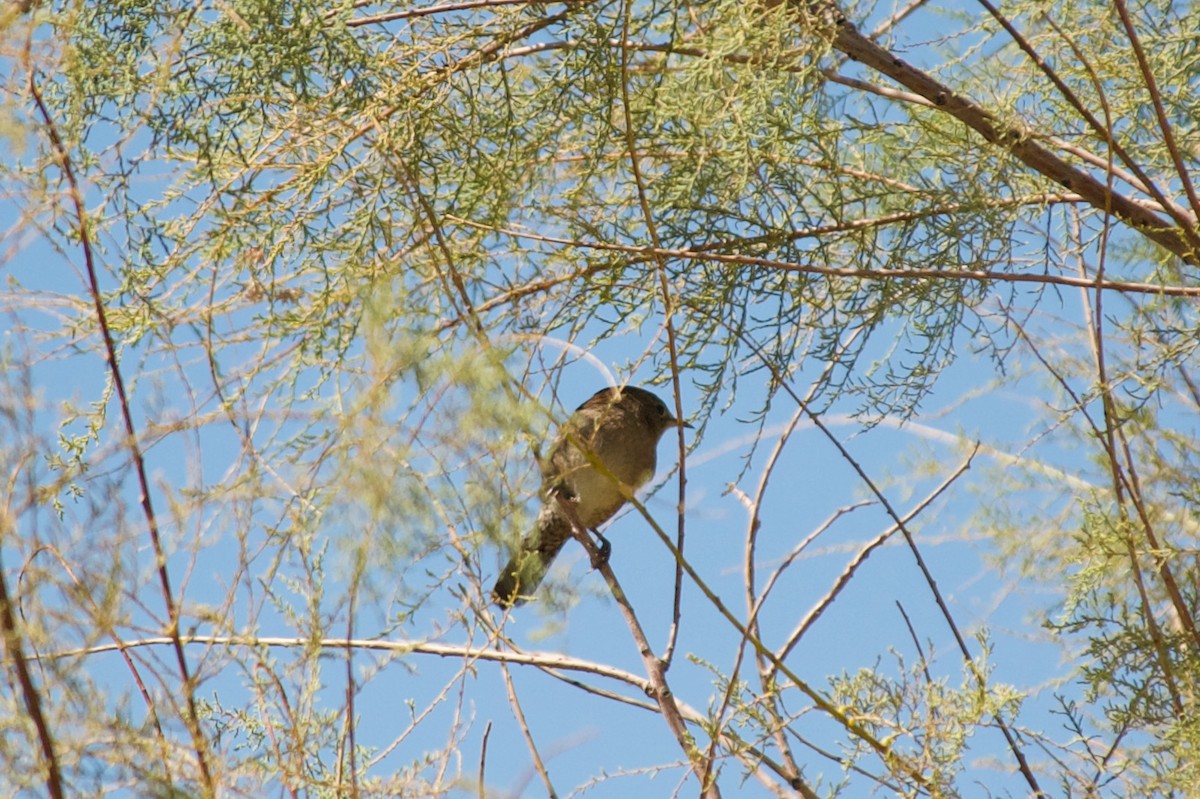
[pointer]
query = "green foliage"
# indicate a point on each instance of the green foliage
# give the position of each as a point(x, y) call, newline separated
point(354, 258)
point(926, 723)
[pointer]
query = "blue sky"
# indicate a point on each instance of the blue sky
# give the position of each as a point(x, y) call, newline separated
point(1016, 421)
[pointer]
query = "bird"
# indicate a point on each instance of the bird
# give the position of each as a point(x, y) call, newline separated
point(606, 450)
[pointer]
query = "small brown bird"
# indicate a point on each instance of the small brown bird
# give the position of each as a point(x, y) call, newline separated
point(610, 440)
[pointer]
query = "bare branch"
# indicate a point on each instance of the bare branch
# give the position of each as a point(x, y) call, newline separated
point(83, 228)
point(1182, 241)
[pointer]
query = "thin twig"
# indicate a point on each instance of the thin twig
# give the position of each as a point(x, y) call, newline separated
point(916, 273)
point(848, 572)
point(939, 600)
point(752, 606)
point(1152, 625)
point(539, 659)
point(103, 620)
point(1126, 485)
point(347, 737)
point(1160, 113)
point(668, 301)
point(14, 654)
point(427, 11)
point(837, 713)
point(660, 690)
point(487, 731)
point(401, 647)
point(843, 718)
point(526, 732)
point(896, 18)
point(912, 633)
point(192, 716)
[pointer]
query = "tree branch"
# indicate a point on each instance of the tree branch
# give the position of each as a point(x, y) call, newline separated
point(1182, 241)
point(643, 253)
point(187, 684)
point(658, 689)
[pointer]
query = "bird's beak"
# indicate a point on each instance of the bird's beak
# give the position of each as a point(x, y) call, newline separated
point(681, 423)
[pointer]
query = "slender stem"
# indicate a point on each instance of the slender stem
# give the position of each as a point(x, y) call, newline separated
point(1160, 113)
point(29, 694)
point(538, 763)
point(640, 253)
point(656, 671)
point(192, 716)
point(668, 301)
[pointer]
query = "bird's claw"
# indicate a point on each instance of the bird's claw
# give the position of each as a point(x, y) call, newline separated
point(602, 551)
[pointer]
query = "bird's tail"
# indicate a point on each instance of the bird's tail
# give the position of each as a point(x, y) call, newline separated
point(523, 573)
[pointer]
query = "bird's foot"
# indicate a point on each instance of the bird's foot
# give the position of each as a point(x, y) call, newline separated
point(603, 551)
point(560, 491)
